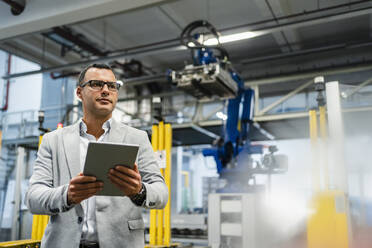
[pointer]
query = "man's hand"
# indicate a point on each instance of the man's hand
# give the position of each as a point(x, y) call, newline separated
point(126, 179)
point(82, 187)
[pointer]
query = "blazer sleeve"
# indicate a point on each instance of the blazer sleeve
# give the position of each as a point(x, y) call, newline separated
point(42, 197)
point(156, 189)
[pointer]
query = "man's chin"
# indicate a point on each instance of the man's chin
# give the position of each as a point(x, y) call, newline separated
point(104, 111)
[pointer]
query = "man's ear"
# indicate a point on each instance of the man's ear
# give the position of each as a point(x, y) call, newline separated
point(78, 93)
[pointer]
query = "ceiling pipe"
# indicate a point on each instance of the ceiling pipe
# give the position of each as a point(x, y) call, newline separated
point(150, 96)
point(76, 39)
point(54, 75)
point(17, 6)
point(302, 52)
point(136, 81)
point(6, 104)
point(129, 55)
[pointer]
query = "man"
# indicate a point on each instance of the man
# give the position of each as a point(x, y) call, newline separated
point(58, 187)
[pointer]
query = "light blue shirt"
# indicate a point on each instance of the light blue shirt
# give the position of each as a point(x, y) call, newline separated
point(89, 205)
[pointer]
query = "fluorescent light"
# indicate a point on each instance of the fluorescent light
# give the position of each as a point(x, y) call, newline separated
point(231, 38)
point(191, 44)
point(221, 116)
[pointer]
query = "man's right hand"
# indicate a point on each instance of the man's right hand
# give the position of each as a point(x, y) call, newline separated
point(82, 187)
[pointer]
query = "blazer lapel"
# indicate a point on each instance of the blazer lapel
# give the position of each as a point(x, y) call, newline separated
point(71, 143)
point(117, 132)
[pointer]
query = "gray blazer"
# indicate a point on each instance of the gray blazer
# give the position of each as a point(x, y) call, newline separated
point(119, 221)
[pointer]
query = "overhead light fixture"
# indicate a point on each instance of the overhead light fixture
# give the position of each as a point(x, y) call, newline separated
point(191, 44)
point(231, 38)
point(225, 38)
point(221, 115)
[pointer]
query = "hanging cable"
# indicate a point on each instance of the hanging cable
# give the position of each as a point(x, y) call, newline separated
point(193, 40)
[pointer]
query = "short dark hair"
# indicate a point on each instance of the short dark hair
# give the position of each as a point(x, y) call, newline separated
point(99, 66)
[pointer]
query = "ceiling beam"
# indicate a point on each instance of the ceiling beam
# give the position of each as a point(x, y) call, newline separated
point(309, 74)
point(45, 14)
point(126, 55)
point(32, 48)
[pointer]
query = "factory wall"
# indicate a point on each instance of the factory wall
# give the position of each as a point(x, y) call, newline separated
point(24, 92)
point(58, 96)
point(17, 122)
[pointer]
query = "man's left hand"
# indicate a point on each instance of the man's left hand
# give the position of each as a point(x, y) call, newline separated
point(126, 179)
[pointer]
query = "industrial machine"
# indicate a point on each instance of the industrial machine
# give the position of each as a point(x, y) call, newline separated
point(234, 211)
point(210, 76)
point(206, 81)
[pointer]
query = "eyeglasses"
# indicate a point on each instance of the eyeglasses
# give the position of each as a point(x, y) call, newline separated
point(99, 84)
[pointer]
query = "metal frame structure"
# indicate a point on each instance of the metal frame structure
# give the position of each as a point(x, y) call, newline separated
point(226, 231)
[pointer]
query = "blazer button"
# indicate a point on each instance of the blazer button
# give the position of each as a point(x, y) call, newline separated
point(80, 219)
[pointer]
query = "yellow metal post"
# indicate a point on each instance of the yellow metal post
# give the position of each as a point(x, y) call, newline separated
point(160, 220)
point(186, 174)
point(327, 227)
point(160, 213)
point(153, 213)
point(167, 176)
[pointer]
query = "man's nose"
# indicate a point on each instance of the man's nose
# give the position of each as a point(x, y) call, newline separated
point(105, 89)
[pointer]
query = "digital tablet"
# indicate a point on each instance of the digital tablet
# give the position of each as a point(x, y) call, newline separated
point(103, 156)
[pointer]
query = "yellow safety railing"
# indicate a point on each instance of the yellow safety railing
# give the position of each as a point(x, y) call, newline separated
point(186, 174)
point(153, 213)
point(160, 220)
point(29, 243)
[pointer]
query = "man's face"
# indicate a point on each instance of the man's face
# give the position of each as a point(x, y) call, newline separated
point(102, 102)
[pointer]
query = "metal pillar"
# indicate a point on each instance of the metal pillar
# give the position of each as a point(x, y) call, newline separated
point(179, 177)
point(153, 213)
point(160, 213)
point(313, 123)
point(20, 166)
point(336, 135)
point(1, 135)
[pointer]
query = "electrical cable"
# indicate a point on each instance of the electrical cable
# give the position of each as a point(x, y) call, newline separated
point(191, 40)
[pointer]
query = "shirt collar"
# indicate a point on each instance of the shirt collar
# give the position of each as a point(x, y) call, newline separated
point(83, 127)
